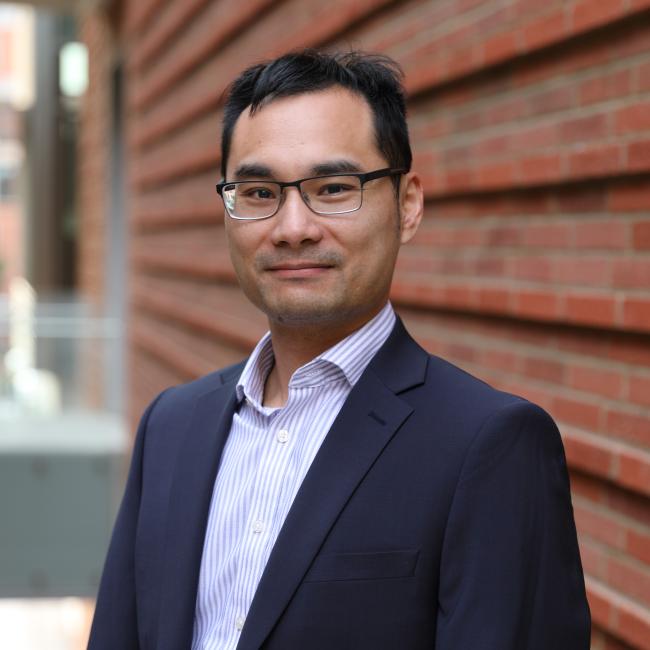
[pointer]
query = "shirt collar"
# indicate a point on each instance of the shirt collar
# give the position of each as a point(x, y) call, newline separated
point(348, 357)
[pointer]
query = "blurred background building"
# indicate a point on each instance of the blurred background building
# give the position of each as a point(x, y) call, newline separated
point(530, 123)
point(63, 443)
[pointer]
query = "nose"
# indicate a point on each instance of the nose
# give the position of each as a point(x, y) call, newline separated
point(294, 224)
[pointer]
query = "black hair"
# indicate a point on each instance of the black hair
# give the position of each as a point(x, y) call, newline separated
point(376, 78)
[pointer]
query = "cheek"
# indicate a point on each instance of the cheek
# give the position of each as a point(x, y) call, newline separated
point(240, 244)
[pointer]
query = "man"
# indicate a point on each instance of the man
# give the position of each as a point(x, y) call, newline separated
point(341, 489)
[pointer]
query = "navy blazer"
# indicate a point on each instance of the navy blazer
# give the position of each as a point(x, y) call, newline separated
point(436, 515)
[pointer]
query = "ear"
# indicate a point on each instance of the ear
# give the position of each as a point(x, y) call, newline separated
point(411, 205)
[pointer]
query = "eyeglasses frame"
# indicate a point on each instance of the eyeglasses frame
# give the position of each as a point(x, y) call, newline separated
point(364, 177)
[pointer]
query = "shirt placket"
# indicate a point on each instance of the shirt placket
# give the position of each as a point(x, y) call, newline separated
point(262, 524)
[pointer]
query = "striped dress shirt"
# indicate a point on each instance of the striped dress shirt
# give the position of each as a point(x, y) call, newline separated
point(265, 459)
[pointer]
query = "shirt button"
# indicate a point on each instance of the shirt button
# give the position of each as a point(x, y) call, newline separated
point(239, 622)
point(283, 435)
point(258, 526)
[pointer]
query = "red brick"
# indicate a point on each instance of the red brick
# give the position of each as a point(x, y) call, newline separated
point(600, 310)
point(536, 304)
point(633, 628)
point(533, 394)
point(459, 296)
point(629, 197)
point(458, 179)
point(644, 77)
point(608, 383)
point(581, 452)
point(631, 580)
point(461, 61)
point(634, 351)
point(460, 352)
point(605, 86)
point(595, 160)
point(500, 47)
point(592, 560)
point(547, 235)
point(604, 528)
point(634, 469)
point(593, 13)
point(534, 268)
point(631, 119)
point(544, 369)
point(550, 101)
point(493, 146)
point(638, 156)
point(627, 425)
point(501, 174)
point(468, 121)
point(585, 271)
point(504, 236)
point(636, 313)
point(639, 389)
point(494, 266)
point(507, 110)
point(463, 237)
point(496, 300)
point(501, 360)
point(631, 273)
point(545, 30)
point(582, 199)
point(641, 235)
point(635, 42)
point(638, 545)
point(588, 487)
point(591, 127)
point(458, 155)
point(538, 136)
point(609, 234)
point(541, 168)
point(433, 235)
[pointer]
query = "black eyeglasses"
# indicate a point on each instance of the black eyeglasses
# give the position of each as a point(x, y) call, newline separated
point(328, 195)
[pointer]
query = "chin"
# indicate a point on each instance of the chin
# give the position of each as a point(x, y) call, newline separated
point(303, 315)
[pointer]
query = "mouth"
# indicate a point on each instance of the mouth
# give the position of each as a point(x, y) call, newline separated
point(296, 266)
point(299, 269)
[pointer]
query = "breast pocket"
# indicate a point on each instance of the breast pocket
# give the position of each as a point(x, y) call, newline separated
point(363, 566)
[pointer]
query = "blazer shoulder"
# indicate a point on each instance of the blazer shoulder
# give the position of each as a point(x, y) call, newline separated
point(481, 411)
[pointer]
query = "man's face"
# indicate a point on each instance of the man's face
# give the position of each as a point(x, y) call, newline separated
point(302, 268)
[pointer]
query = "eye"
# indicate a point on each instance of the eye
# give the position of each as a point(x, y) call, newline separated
point(333, 189)
point(258, 193)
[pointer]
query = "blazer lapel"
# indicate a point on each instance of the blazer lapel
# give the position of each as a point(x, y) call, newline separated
point(189, 502)
point(370, 417)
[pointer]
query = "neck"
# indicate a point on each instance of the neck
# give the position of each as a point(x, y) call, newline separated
point(293, 347)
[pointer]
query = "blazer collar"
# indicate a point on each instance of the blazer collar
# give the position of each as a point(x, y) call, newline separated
point(370, 417)
point(189, 503)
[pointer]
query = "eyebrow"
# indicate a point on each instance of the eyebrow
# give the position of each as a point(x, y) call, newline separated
point(253, 170)
point(335, 167)
point(258, 170)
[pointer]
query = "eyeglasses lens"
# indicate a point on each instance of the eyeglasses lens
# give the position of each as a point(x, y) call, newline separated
point(324, 195)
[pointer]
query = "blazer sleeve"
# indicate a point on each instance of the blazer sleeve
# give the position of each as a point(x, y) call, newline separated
point(115, 621)
point(511, 577)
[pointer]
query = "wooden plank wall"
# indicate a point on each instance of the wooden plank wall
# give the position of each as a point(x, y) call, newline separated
point(530, 122)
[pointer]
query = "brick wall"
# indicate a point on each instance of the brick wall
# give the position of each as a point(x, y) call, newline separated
point(530, 121)
point(93, 160)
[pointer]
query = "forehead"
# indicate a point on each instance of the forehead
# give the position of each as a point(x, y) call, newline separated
point(293, 134)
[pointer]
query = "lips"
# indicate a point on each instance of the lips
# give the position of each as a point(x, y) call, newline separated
point(298, 266)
